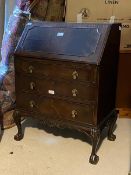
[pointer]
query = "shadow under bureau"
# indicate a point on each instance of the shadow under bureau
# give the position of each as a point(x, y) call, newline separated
point(66, 75)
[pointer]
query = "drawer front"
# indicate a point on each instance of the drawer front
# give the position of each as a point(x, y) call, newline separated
point(76, 91)
point(56, 108)
point(56, 69)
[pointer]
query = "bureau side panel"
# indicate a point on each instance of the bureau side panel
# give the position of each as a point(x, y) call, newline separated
point(108, 75)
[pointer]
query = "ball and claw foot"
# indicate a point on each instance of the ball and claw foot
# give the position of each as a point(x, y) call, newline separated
point(18, 137)
point(112, 137)
point(94, 159)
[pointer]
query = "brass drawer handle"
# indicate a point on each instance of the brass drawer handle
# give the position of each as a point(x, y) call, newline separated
point(75, 75)
point(74, 113)
point(30, 69)
point(32, 104)
point(32, 85)
point(74, 92)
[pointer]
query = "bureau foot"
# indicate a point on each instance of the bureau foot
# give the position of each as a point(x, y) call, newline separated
point(112, 137)
point(18, 137)
point(17, 120)
point(94, 159)
point(112, 123)
point(95, 136)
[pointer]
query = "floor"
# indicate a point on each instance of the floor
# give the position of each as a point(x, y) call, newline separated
point(63, 152)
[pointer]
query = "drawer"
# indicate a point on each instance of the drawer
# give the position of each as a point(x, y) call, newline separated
point(77, 91)
point(56, 69)
point(55, 108)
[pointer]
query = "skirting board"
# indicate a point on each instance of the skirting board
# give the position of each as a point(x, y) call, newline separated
point(124, 112)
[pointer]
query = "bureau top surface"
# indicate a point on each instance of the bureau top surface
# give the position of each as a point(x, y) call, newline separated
point(68, 41)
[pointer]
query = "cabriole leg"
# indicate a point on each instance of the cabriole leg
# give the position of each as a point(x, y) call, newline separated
point(17, 120)
point(95, 136)
point(112, 123)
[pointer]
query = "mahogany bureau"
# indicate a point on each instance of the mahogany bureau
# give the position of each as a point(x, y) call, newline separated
point(66, 76)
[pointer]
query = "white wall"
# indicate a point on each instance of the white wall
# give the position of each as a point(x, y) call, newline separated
point(2, 14)
point(9, 6)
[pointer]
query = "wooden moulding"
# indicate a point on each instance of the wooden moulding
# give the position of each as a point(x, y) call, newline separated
point(125, 51)
point(124, 112)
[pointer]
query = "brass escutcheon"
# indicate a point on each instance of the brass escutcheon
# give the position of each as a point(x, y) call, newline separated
point(30, 69)
point(32, 104)
point(75, 75)
point(74, 92)
point(74, 113)
point(32, 85)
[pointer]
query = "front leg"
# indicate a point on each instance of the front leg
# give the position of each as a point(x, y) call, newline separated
point(95, 136)
point(112, 123)
point(17, 120)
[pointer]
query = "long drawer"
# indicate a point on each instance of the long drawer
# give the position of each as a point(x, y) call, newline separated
point(56, 108)
point(82, 92)
point(56, 69)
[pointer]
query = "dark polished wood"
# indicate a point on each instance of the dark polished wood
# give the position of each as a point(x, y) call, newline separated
point(124, 82)
point(112, 123)
point(66, 76)
point(17, 120)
